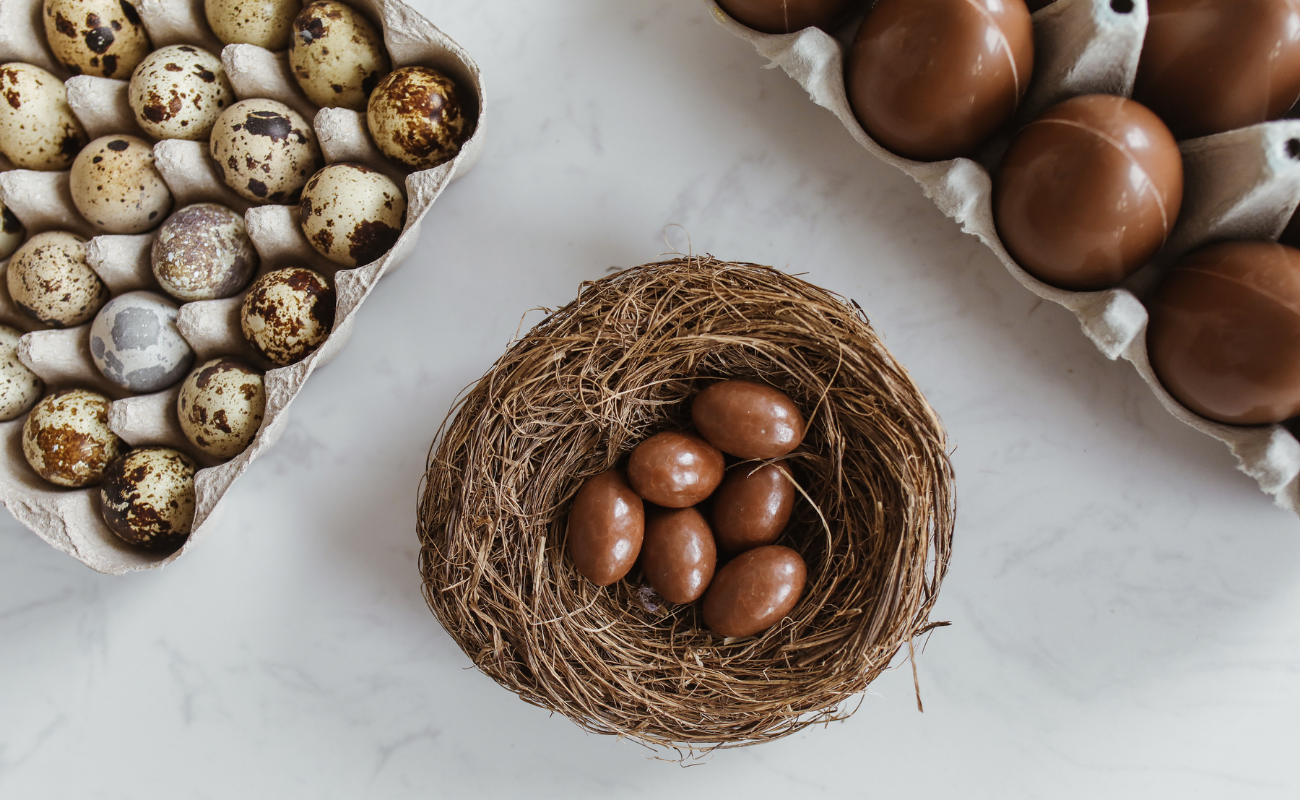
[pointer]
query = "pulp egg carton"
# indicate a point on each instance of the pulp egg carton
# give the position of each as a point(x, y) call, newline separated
point(1242, 184)
point(69, 519)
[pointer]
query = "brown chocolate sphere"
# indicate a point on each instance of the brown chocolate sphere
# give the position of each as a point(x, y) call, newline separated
point(1213, 65)
point(606, 528)
point(754, 591)
point(675, 470)
point(679, 555)
point(935, 79)
point(1088, 192)
point(787, 16)
point(1224, 332)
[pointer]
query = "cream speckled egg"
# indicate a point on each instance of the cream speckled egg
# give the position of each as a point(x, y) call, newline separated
point(147, 497)
point(178, 92)
point(287, 314)
point(416, 117)
point(104, 38)
point(37, 127)
point(11, 232)
point(116, 186)
point(265, 151)
point(221, 405)
point(49, 279)
point(203, 252)
point(336, 55)
point(19, 386)
point(67, 440)
point(265, 23)
point(351, 213)
point(135, 343)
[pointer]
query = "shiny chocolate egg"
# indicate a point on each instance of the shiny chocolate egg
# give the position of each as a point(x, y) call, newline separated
point(935, 79)
point(787, 16)
point(678, 554)
point(754, 591)
point(748, 419)
point(1209, 66)
point(1224, 332)
point(606, 528)
point(751, 507)
point(1088, 192)
point(675, 470)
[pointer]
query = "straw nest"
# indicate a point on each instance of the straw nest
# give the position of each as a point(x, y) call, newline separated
point(574, 396)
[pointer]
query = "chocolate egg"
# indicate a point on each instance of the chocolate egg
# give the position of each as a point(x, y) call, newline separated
point(748, 419)
point(787, 16)
point(751, 507)
point(1224, 332)
point(935, 79)
point(147, 497)
point(678, 555)
point(37, 127)
point(1088, 192)
point(606, 528)
point(287, 314)
point(66, 438)
point(49, 280)
point(754, 591)
point(417, 118)
point(104, 38)
point(1209, 66)
point(675, 470)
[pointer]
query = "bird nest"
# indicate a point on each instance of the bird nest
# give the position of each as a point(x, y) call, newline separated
point(575, 395)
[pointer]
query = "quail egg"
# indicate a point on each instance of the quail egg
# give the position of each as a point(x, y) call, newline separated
point(178, 91)
point(67, 440)
point(416, 117)
point(49, 279)
point(203, 252)
point(336, 55)
point(104, 38)
point(116, 186)
point(147, 497)
point(11, 232)
point(287, 314)
point(135, 343)
point(221, 405)
point(37, 128)
point(351, 214)
point(19, 386)
point(265, 151)
point(265, 23)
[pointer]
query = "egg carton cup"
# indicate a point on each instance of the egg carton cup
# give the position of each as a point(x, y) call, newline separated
point(69, 519)
point(1243, 184)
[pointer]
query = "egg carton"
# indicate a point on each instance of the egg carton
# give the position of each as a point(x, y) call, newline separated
point(1242, 184)
point(69, 519)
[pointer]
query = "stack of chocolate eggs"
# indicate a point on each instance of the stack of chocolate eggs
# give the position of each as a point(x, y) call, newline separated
point(679, 508)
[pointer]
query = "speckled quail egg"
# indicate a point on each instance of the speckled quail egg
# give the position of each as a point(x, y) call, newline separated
point(19, 386)
point(351, 214)
point(104, 38)
point(67, 440)
point(135, 343)
point(12, 232)
point(221, 405)
point(37, 127)
point(147, 497)
point(203, 252)
point(287, 314)
point(265, 151)
point(416, 117)
point(265, 23)
point(178, 92)
point(336, 55)
point(116, 186)
point(49, 279)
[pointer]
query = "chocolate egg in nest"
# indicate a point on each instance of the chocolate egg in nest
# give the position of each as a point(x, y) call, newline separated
point(574, 396)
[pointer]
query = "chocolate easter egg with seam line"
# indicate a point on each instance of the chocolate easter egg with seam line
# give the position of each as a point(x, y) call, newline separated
point(606, 527)
point(754, 591)
point(787, 16)
point(751, 508)
point(674, 469)
point(1088, 192)
point(935, 79)
point(678, 555)
point(748, 419)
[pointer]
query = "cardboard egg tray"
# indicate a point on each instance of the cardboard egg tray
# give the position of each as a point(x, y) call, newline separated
point(1243, 184)
point(69, 519)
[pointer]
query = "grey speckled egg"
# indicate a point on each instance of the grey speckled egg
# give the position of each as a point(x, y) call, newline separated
point(116, 187)
point(265, 151)
point(19, 386)
point(37, 127)
point(49, 279)
point(287, 314)
point(265, 23)
point(11, 232)
point(203, 252)
point(221, 405)
point(336, 55)
point(134, 342)
point(67, 440)
point(351, 213)
point(416, 117)
point(178, 92)
point(104, 38)
point(147, 497)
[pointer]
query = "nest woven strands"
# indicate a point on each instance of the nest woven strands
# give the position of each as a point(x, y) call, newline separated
point(575, 395)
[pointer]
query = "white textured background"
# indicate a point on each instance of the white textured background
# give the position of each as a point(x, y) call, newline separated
point(1125, 605)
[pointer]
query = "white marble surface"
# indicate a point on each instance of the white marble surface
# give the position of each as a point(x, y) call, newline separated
point(1124, 603)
